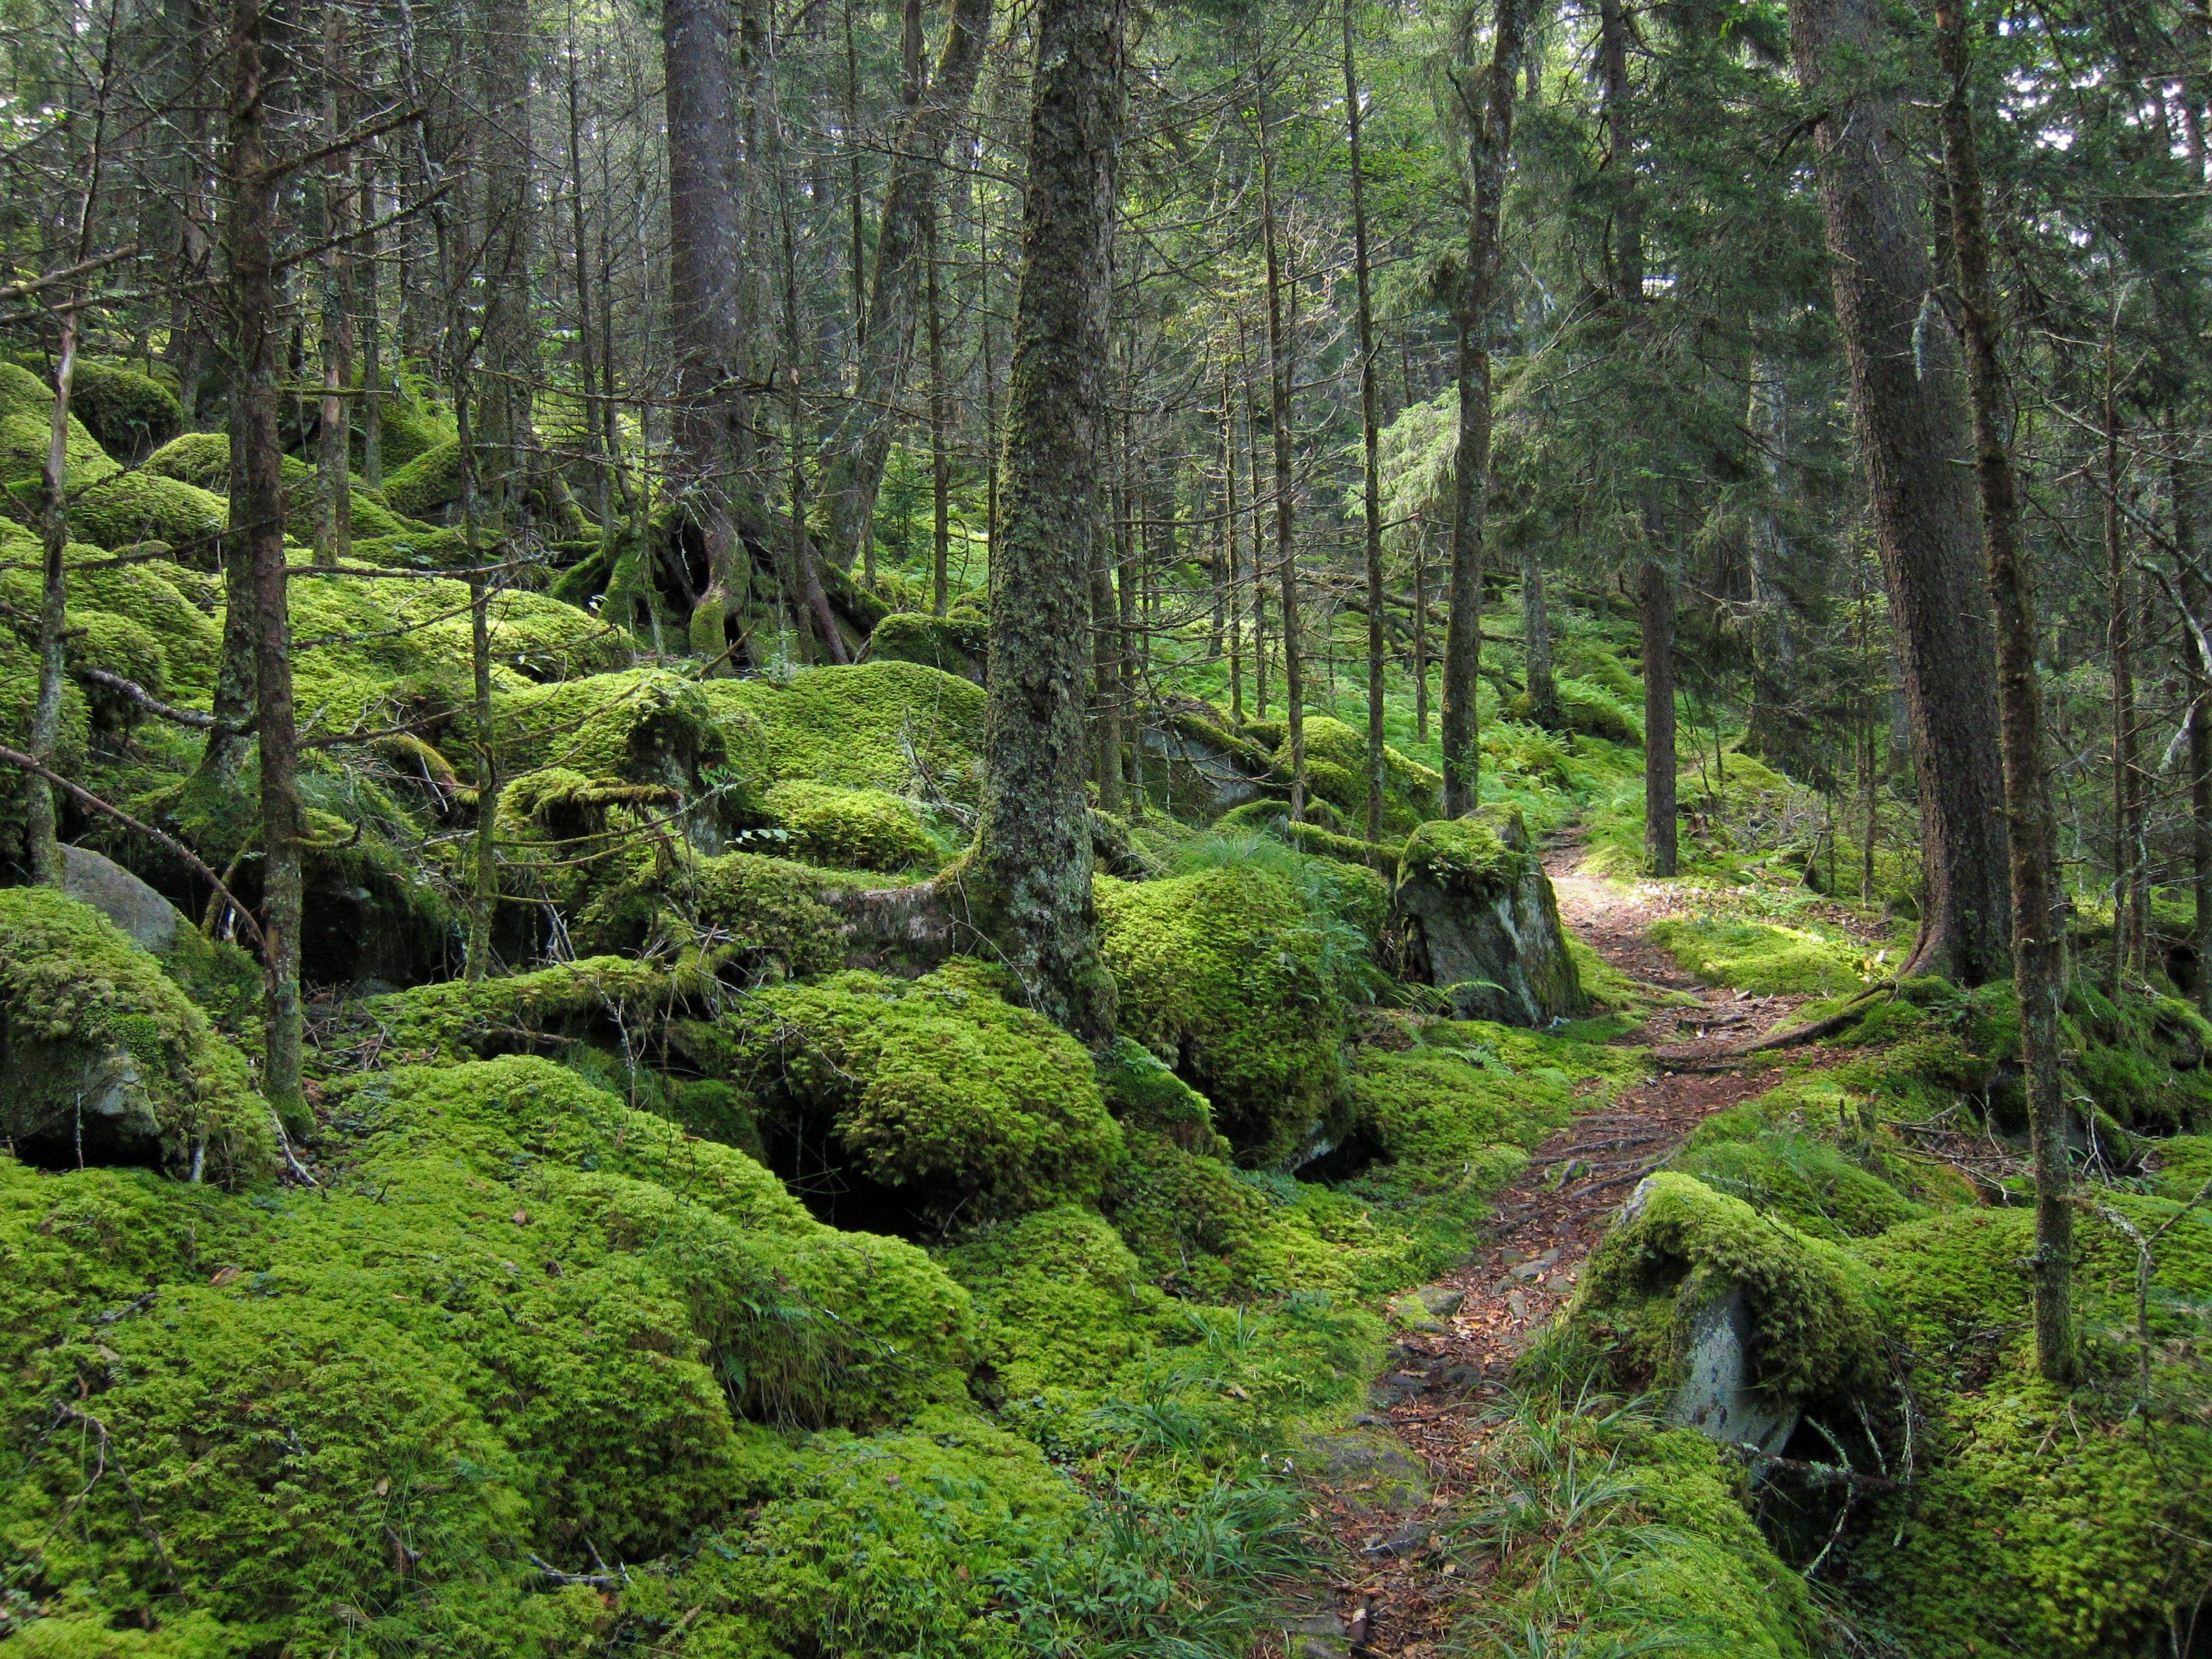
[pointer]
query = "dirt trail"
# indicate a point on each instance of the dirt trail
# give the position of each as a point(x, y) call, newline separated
point(1435, 1393)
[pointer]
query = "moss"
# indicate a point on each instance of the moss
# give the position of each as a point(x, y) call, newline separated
point(2184, 1165)
point(1336, 770)
point(749, 915)
point(128, 413)
point(427, 484)
point(967, 1105)
point(956, 645)
point(1595, 711)
point(642, 725)
point(913, 730)
point(1681, 1246)
point(407, 432)
point(1223, 973)
point(1799, 1177)
point(1455, 1117)
point(1142, 1092)
point(471, 1019)
point(2073, 1536)
point(1060, 1298)
point(202, 459)
point(853, 828)
point(85, 1015)
point(1762, 959)
point(1478, 851)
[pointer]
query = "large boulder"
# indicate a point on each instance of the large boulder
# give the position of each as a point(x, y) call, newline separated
point(1482, 923)
point(150, 920)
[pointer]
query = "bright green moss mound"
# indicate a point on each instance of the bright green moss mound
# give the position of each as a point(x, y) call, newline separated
point(1680, 1247)
point(1766, 1153)
point(967, 1104)
point(1763, 959)
point(202, 459)
point(1061, 1299)
point(642, 725)
point(957, 645)
point(745, 914)
point(429, 483)
point(915, 730)
point(98, 1045)
point(1336, 770)
point(853, 829)
point(1473, 850)
point(1225, 974)
point(462, 1019)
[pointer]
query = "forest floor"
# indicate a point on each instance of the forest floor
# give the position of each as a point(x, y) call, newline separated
point(1400, 1590)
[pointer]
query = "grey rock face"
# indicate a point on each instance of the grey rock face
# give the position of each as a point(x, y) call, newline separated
point(120, 897)
point(1716, 1398)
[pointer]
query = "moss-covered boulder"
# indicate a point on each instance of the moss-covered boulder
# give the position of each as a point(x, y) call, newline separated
point(949, 1102)
point(1336, 770)
point(106, 1060)
point(901, 727)
point(427, 484)
point(1061, 1299)
point(1483, 922)
point(853, 829)
point(956, 644)
point(130, 413)
point(1227, 974)
point(1740, 1316)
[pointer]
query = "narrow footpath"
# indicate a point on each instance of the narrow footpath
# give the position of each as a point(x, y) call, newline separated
point(1435, 1394)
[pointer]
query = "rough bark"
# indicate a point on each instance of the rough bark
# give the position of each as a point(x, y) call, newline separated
point(853, 470)
point(1912, 437)
point(257, 507)
point(703, 286)
point(2038, 940)
point(334, 463)
point(1280, 372)
point(1371, 427)
point(1655, 617)
point(1028, 884)
point(2194, 599)
point(1536, 640)
point(505, 438)
point(41, 846)
point(1489, 122)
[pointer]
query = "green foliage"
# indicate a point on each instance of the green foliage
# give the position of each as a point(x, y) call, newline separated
point(1059, 1299)
point(971, 1107)
point(956, 644)
point(90, 1027)
point(427, 484)
point(129, 414)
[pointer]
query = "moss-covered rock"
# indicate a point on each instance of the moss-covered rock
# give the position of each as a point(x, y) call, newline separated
point(901, 727)
point(957, 645)
point(1336, 770)
point(202, 459)
point(107, 1060)
point(960, 1103)
point(1680, 1249)
point(853, 829)
point(129, 414)
point(1762, 959)
point(1224, 974)
point(429, 483)
point(1484, 923)
point(1061, 1299)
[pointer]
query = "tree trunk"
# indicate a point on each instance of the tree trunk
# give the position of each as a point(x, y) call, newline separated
point(2038, 937)
point(853, 472)
point(2194, 599)
point(41, 845)
point(703, 254)
point(1232, 579)
point(510, 353)
point(1489, 149)
point(1028, 886)
point(1655, 617)
point(333, 457)
point(1912, 437)
point(2126, 806)
point(1370, 433)
point(257, 482)
point(1280, 372)
point(1536, 639)
point(940, 457)
point(1421, 631)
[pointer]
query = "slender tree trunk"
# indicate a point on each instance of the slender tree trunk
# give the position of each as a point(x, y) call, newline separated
point(1028, 885)
point(2120, 648)
point(371, 325)
point(1911, 438)
point(856, 454)
point(1654, 594)
point(483, 913)
point(2194, 600)
point(506, 426)
point(579, 244)
point(257, 483)
point(2038, 936)
point(1489, 148)
point(1106, 674)
point(940, 456)
point(703, 255)
point(1232, 579)
point(1421, 631)
point(1536, 639)
point(1370, 433)
point(1258, 559)
point(1771, 661)
point(42, 847)
point(334, 461)
point(1280, 372)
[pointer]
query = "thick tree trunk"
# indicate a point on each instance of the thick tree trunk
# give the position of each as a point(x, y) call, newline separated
point(2038, 939)
point(940, 457)
point(1489, 150)
point(2127, 834)
point(2194, 600)
point(1028, 884)
point(506, 437)
point(853, 472)
point(703, 254)
point(334, 461)
point(1536, 639)
point(257, 482)
point(1655, 617)
point(1911, 439)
